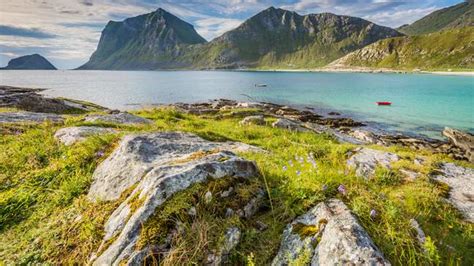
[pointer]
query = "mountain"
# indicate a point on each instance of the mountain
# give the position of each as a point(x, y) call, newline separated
point(149, 41)
point(457, 16)
point(274, 38)
point(446, 49)
point(277, 38)
point(30, 62)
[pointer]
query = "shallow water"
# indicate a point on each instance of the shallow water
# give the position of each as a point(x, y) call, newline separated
point(422, 104)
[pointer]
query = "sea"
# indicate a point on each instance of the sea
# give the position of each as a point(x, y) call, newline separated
point(422, 104)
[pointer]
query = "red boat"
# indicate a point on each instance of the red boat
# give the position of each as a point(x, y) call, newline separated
point(384, 103)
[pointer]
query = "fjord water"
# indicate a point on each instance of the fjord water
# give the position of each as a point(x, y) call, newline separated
point(422, 103)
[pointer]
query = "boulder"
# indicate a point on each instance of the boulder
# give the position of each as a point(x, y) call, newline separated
point(29, 117)
point(155, 166)
point(461, 183)
point(71, 135)
point(365, 160)
point(231, 240)
point(341, 137)
point(118, 118)
point(365, 136)
point(290, 125)
point(327, 235)
point(462, 140)
point(253, 120)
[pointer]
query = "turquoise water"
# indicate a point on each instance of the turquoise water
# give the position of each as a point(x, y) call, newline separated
point(422, 103)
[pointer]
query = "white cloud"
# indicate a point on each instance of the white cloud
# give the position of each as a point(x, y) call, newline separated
point(210, 27)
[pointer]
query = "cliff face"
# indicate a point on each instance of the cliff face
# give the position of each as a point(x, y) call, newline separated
point(30, 62)
point(148, 41)
point(457, 16)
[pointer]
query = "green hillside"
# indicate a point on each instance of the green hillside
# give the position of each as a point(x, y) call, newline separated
point(449, 49)
point(274, 38)
point(457, 16)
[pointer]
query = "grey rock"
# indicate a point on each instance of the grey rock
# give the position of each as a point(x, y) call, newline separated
point(420, 235)
point(231, 240)
point(290, 125)
point(208, 197)
point(241, 147)
point(253, 120)
point(254, 204)
point(29, 117)
point(365, 136)
point(226, 193)
point(366, 160)
point(71, 135)
point(462, 140)
point(461, 183)
point(341, 137)
point(249, 105)
point(229, 212)
point(410, 175)
point(342, 240)
point(158, 166)
point(118, 118)
point(192, 211)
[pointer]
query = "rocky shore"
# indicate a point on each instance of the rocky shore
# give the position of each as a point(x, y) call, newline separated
point(161, 185)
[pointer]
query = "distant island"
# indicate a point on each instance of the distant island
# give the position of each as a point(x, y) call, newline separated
point(280, 39)
point(29, 62)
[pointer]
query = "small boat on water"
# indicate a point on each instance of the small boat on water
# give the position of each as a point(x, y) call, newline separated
point(384, 103)
point(260, 85)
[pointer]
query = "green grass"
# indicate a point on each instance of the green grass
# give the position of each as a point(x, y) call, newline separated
point(46, 218)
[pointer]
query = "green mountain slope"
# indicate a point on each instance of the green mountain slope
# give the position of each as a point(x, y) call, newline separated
point(274, 38)
point(457, 16)
point(148, 41)
point(277, 38)
point(440, 50)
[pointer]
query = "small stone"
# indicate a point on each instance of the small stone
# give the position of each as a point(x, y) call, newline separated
point(229, 213)
point(192, 211)
point(253, 120)
point(208, 197)
point(366, 160)
point(420, 235)
point(226, 193)
point(261, 226)
point(410, 175)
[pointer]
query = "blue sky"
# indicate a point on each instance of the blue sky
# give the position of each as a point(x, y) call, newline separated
point(67, 31)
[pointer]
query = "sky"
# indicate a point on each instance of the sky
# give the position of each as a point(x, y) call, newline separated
point(67, 32)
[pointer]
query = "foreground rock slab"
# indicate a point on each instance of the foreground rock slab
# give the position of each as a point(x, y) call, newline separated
point(366, 160)
point(30, 100)
point(29, 117)
point(328, 235)
point(155, 166)
point(462, 140)
point(118, 118)
point(461, 183)
point(71, 135)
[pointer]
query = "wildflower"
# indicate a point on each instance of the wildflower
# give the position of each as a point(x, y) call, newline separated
point(290, 162)
point(99, 154)
point(298, 172)
point(325, 187)
point(373, 213)
point(342, 189)
point(284, 168)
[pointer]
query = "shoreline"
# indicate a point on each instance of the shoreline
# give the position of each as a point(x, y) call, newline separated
point(364, 70)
